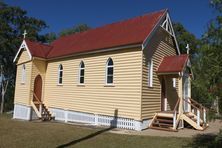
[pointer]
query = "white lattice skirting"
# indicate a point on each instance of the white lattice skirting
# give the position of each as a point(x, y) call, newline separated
point(97, 119)
point(26, 113)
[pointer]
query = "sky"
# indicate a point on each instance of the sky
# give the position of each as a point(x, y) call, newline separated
point(62, 14)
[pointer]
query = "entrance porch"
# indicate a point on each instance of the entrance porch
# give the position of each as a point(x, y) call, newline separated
point(178, 109)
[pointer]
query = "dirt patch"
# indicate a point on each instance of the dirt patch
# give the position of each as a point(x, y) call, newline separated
point(214, 127)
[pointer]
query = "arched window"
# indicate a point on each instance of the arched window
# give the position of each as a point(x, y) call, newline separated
point(81, 72)
point(109, 71)
point(23, 74)
point(60, 74)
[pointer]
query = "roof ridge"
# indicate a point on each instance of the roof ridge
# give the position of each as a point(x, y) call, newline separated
point(40, 43)
point(117, 22)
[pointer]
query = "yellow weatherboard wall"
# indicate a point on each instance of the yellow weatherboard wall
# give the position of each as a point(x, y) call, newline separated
point(159, 46)
point(95, 96)
point(22, 90)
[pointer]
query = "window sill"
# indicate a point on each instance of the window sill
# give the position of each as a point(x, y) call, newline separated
point(109, 85)
point(22, 83)
point(80, 85)
point(59, 84)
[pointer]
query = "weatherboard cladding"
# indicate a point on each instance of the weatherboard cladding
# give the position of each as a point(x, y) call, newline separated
point(127, 32)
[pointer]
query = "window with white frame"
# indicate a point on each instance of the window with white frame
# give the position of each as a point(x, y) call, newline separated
point(109, 71)
point(81, 72)
point(23, 74)
point(150, 73)
point(60, 74)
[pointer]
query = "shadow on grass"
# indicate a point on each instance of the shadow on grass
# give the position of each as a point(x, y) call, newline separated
point(206, 141)
point(113, 124)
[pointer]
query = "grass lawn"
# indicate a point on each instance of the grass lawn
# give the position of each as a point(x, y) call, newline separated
point(21, 134)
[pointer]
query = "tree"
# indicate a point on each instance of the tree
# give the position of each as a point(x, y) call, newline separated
point(74, 29)
point(48, 37)
point(184, 37)
point(208, 67)
point(4, 86)
point(13, 21)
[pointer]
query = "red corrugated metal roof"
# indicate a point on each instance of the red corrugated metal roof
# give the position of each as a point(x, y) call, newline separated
point(127, 32)
point(172, 64)
point(38, 49)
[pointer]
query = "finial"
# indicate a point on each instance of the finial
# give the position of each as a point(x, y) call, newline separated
point(188, 49)
point(24, 34)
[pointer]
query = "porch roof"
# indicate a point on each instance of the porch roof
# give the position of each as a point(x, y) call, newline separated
point(173, 64)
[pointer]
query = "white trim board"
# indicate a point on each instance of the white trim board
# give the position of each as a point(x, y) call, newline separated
point(23, 46)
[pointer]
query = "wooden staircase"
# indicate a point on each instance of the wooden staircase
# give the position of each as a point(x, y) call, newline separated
point(169, 120)
point(163, 121)
point(197, 116)
point(41, 110)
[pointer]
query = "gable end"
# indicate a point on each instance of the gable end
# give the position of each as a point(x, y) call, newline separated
point(166, 24)
point(21, 48)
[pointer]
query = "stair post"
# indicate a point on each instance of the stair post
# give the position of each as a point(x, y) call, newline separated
point(204, 115)
point(174, 120)
point(40, 108)
point(198, 117)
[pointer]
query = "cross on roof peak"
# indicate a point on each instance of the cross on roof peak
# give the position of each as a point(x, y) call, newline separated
point(24, 34)
point(188, 48)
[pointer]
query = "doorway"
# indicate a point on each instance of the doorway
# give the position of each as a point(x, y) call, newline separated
point(38, 89)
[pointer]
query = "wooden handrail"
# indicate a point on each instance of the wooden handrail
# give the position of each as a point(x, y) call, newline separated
point(198, 103)
point(191, 104)
point(36, 97)
point(176, 105)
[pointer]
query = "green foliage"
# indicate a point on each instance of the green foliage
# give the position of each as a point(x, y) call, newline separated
point(13, 21)
point(206, 58)
point(184, 37)
point(208, 65)
point(74, 29)
point(200, 83)
point(49, 37)
point(217, 4)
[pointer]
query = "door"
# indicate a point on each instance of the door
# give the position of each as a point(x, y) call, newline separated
point(186, 93)
point(163, 95)
point(38, 88)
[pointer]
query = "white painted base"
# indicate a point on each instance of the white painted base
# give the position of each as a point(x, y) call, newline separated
point(34, 115)
point(141, 125)
point(22, 112)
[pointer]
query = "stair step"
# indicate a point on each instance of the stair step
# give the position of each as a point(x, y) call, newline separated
point(162, 116)
point(164, 120)
point(190, 116)
point(36, 102)
point(163, 124)
point(164, 129)
point(45, 115)
point(167, 112)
